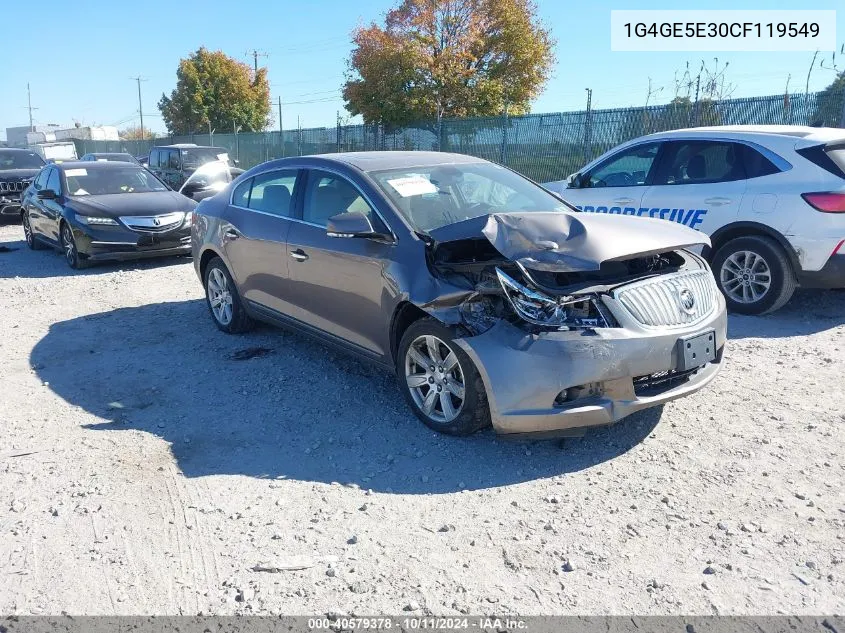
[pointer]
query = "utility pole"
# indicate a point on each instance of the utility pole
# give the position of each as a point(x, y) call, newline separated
point(139, 79)
point(255, 54)
point(281, 128)
point(588, 126)
point(29, 107)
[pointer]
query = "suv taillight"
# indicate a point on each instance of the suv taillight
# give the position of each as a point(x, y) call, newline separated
point(828, 202)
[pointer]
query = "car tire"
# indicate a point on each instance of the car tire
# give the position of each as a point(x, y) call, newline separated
point(31, 240)
point(223, 301)
point(754, 274)
point(68, 246)
point(434, 395)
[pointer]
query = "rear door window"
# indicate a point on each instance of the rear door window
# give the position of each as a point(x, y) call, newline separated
point(701, 162)
point(273, 192)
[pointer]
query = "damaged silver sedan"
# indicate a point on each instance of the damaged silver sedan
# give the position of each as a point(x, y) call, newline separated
point(493, 301)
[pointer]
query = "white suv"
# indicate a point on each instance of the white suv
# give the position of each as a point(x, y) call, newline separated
point(771, 198)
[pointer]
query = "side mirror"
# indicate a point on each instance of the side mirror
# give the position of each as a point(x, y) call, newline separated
point(354, 224)
point(575, 181)
point(47, 194)
point(190, 188)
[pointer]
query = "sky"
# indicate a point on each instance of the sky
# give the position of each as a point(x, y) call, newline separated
point(81, 68)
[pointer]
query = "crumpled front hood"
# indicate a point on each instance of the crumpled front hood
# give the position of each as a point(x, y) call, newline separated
point(558, 241)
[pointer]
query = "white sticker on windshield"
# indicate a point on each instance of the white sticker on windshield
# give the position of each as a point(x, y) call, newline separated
point(223, 156)
point(412, 186)
point(76, 172)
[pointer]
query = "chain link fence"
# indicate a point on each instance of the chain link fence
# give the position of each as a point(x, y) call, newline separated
point(544, 147)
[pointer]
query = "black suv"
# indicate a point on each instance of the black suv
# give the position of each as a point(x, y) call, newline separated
point(174, 164)
point(17, 169)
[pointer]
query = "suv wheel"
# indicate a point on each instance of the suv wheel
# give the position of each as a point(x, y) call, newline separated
point(754, 274)
point(440, 381)
point(223, 300)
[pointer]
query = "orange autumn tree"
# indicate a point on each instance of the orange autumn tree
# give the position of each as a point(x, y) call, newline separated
point(448, 58)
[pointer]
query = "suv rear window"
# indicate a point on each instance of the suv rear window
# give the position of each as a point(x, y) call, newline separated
point(198, 156)
point(830, 158)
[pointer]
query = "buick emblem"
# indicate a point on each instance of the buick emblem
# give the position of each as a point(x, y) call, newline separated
point(156, 221)
point(687, 300)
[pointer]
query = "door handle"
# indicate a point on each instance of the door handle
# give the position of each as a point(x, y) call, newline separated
point(718, 201)
point(232, 234)
point(623, 200)
point(299, 255)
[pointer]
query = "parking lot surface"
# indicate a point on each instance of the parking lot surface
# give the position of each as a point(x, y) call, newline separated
point(150, 464)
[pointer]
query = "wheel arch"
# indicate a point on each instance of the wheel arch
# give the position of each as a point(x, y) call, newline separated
point(723, 235)
point(404, 315)
point(207, 255)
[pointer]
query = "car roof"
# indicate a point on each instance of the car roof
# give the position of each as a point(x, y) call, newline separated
point(375, 161)
point(189, 146)
point(804, 132)
point(17, 149)
point(110, 154)
point(89, 164)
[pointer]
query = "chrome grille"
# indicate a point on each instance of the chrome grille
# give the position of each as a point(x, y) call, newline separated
point(154, 223)
point(13, 186)
point(675, 300)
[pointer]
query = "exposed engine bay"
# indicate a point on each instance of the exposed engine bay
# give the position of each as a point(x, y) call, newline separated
point(540, 300)
point(547, 271)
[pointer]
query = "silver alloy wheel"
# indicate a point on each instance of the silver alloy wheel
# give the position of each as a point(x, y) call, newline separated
point(435, 378)
point(219, 296)
point(68, 245)
point(745, 277)
point(27, 229)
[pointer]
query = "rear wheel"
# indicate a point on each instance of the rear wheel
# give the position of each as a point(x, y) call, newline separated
point(68, 245)
point(439, 381)
point(223, 299)
point(754, 274)
point(31, 240)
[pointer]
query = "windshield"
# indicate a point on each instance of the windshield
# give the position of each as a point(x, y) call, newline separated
point(90, 181)
point(431, 197)
point(20, 160)
point(194, 157)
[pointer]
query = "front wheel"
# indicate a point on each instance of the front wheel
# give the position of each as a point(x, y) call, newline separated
point(31, 240)
point(439, 380)
point(754, 274)
point(68, 246)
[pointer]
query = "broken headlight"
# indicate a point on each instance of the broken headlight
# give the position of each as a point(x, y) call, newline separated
point(553, 312)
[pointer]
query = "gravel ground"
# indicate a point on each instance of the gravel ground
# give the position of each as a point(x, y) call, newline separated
point(145, 470)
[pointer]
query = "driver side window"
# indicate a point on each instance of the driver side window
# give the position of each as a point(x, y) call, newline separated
point(629, 168)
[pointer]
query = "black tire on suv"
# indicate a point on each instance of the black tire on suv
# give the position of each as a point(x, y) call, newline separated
point(754, 274)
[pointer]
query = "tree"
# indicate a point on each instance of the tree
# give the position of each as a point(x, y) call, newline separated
point(830, 104)
point(448, 58)
point(217, 90)
point(134, 133)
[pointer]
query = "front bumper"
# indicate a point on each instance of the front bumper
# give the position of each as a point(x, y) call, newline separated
point(10, 206)
point(524, 373)
point(120, 243)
